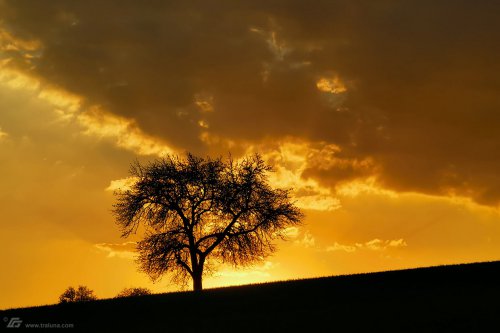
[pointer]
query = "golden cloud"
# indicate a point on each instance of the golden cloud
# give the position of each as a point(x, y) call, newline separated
point(340, 247)
point(372, 245)
point(296, 163)
point(123, 184)
point(331, 85)
point(61, 100)
point(289, 163)
point(214, 140)
point(204, 102)
point(305, 60)
point(307, 240)
point(94, 120)
point(368, 185)
point(99, 123)
point(124, 250)
point(15, 79)
point(10, 43)
point(291, 232)
point(203, 124)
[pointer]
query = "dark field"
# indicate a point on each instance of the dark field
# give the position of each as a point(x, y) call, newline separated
point(458, 298)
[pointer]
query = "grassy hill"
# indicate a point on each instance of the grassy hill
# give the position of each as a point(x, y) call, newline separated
point(463, 298)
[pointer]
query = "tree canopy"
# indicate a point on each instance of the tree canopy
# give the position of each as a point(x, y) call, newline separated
point(196, 208)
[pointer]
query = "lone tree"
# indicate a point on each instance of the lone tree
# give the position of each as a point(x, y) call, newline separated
point(196, 208)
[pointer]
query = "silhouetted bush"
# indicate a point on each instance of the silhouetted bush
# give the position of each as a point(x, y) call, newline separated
point(81, 294)
point(127, 292)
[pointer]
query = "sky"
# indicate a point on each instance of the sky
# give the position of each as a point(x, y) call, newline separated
point(382, 116)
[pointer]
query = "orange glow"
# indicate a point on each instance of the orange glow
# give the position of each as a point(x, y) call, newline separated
point(333, 86)
point(393, 162)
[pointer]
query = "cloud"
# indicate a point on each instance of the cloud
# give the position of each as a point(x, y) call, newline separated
point(93, 120)
point(124, 132)
point(121, 184)
point(124, 250)
point(11, 44)
point(290, 159)
point(339, 247)
point(415, 101)
point(16, 79)
point(331, 85)
point(372, 245)
point(307, 240)
point(316, 171)
point(291, 232)
point(363, 186)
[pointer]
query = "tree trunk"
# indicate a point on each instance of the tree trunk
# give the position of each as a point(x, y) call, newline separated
point(197, 280)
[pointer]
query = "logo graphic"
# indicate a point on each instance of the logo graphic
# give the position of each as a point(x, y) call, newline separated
point(14, 322)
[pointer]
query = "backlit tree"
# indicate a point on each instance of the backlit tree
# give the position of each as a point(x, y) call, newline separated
point(196, 208)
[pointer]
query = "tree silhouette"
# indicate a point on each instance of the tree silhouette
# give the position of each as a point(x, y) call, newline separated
point(196, 208)
point(81, 294)
point(128, 292)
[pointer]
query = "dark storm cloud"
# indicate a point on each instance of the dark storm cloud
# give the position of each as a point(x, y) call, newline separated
point(421, 76)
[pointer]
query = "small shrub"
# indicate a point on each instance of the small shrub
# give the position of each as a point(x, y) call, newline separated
point(81, 294)
point(127, 292)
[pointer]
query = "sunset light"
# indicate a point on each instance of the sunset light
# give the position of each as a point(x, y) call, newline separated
point(380, 118)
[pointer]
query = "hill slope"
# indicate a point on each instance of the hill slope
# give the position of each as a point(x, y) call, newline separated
point(454, 298)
